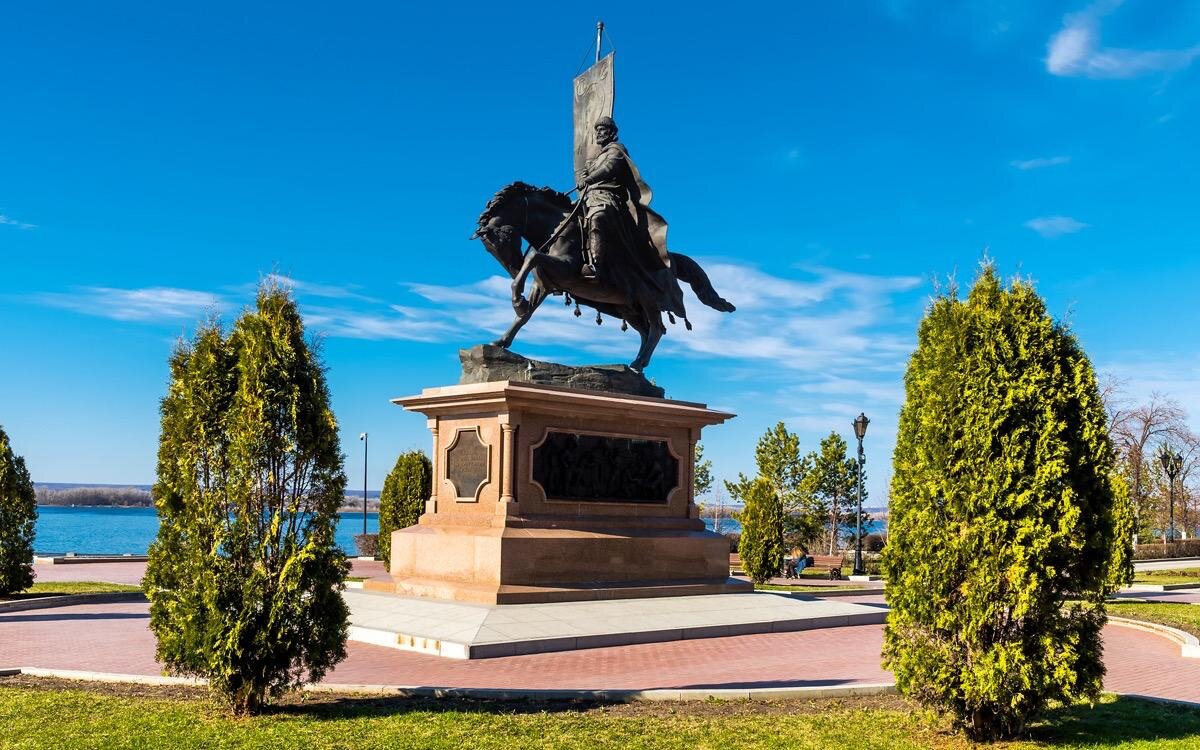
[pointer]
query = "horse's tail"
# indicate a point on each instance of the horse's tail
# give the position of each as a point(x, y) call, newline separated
point(690, 272)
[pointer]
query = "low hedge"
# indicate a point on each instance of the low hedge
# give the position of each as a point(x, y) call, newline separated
point(1185, 548)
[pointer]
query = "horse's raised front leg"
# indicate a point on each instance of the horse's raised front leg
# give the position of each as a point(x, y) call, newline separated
point(519, 303)
point(536, 297)
point(651, 332)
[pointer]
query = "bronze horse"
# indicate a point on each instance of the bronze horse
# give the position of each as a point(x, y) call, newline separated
point(536, 215)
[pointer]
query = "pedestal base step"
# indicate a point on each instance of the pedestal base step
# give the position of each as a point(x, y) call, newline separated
point(515, 594)
point(474, 631)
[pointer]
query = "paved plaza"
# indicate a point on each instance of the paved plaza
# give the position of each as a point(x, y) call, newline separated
point(115, 638)
point(472, 631)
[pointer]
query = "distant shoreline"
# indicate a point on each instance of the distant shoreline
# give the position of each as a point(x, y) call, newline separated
point(345, 509)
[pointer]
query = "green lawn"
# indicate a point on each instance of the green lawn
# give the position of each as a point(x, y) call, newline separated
point(1186, 617)
point(60, 588)
point(1167, 576)
point(803, 588)
point(47, 716)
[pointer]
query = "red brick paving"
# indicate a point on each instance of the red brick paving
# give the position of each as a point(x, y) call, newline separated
point(118, 572)
point(132, 572)
point(115, 638)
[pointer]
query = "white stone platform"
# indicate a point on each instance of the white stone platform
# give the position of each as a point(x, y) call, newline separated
point(476, 631)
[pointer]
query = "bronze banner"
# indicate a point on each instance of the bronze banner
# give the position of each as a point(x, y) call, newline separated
point(594, 92)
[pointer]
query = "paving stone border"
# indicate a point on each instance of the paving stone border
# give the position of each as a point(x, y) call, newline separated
point(1161, 586)
point(1189, 645)
point(502, 694)
point(67, 600)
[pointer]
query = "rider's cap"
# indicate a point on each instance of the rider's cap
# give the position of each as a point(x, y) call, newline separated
point(605, 120)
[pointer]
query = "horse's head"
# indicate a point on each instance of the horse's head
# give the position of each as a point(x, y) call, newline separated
point(517, 211)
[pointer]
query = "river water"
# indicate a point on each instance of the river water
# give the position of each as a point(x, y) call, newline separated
point(121, 531)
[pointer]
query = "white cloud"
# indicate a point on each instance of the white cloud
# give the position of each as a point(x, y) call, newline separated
point(1027, 164)
point(308, 288)
point(1055, 226)
point(11, 222)
point(151, 304)
point(1075, 50)
point(830, 322)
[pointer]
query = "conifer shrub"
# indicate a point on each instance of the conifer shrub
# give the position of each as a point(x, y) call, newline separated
point(245, 575)
point(402, 500)
point(1007, 524)
point(18, 516)
point(760, 547)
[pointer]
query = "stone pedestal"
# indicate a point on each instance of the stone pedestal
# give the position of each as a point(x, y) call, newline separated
point(544, 493)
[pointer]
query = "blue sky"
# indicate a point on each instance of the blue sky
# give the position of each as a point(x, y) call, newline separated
point(160, 159)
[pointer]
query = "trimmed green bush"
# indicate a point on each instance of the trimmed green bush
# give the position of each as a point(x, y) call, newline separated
point(244, 578)
point(1007, 526)
point(402, 500)
point(761, 544)
point(18, 516)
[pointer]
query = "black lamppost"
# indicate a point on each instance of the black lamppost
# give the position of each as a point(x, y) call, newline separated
point(1172, 463)
point(860, 430)
point(363, 437)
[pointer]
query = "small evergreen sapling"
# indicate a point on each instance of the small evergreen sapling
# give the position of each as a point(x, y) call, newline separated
point(245, 575)
point(1008, 526)
point(402, 500)
point(761, 544)
point(18, 516)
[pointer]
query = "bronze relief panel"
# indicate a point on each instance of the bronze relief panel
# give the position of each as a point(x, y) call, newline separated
point(578, 467)
point(468, 464)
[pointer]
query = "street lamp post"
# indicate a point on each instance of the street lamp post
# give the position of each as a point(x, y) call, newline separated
point(860, 430)
point(363, 438)
point(1172, 463)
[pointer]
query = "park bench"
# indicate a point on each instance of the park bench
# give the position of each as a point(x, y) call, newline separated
point(831, 563)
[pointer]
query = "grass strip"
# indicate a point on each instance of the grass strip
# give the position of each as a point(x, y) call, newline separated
point(1185, 617)
point(63, 588)
point(51, 716)
point(1167, 576)
point(804, 589)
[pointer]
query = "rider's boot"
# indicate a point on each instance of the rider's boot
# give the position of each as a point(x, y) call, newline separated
point(595, 249)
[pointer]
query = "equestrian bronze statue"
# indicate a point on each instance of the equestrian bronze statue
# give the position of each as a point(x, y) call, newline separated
point(606, 251)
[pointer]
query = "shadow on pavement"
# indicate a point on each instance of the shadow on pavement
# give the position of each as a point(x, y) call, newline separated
point(758, 684)
point(76, 616)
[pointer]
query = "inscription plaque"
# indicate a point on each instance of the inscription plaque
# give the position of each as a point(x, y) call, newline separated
point(467, 464)
point(598, 468)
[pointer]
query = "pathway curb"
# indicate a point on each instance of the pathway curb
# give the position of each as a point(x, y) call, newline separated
point(67, 600)
point(502, 694)
point(1189, 645)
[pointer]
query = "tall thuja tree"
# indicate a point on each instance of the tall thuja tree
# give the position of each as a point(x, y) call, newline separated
point(831, 481)
point(244, 578)
point(777, 456)
point(402, 500)
point(18, 515)
point(1008, 526)
point(760, 546)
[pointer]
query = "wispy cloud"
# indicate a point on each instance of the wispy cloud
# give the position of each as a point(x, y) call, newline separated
point(1076, 51)
point(1055, 226)
point(837, 324)
point(151, 304)
point(329, 291)
point(1052, 161)
point(11, 222)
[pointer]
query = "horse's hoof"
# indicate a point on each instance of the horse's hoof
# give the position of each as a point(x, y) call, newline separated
point(501, 343)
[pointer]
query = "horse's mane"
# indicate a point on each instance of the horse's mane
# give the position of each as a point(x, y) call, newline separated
point(518, 189)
